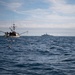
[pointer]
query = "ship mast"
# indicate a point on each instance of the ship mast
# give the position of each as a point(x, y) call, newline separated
point(13, 27)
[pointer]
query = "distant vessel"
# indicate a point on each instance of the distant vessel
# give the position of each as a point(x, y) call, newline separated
point(12, 33)
point(46, 35)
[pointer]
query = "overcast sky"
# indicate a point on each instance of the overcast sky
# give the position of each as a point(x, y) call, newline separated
point(55, 17)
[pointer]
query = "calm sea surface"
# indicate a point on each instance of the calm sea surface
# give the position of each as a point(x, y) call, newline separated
point(36, 55)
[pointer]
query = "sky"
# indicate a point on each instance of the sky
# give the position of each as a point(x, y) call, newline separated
point(55, 17)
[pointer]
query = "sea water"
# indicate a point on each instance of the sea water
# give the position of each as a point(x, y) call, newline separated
point(37, 55)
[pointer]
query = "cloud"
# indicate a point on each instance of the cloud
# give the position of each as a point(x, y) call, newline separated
point(56, 6)
point(61, 6)
point(39, 23)
point(55, 16)
point(13, 5)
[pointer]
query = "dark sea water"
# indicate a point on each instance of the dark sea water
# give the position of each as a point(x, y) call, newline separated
point(36, 55)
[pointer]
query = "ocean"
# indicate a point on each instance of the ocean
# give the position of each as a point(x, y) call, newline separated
point(37, 55)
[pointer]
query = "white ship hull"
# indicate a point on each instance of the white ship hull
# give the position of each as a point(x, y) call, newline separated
point(14, 36)
point(17, 35)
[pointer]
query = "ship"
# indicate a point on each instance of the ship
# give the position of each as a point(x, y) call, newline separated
point(12, 32)
point(46, 35)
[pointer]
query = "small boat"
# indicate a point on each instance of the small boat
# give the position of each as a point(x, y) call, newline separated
point(12, 33)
